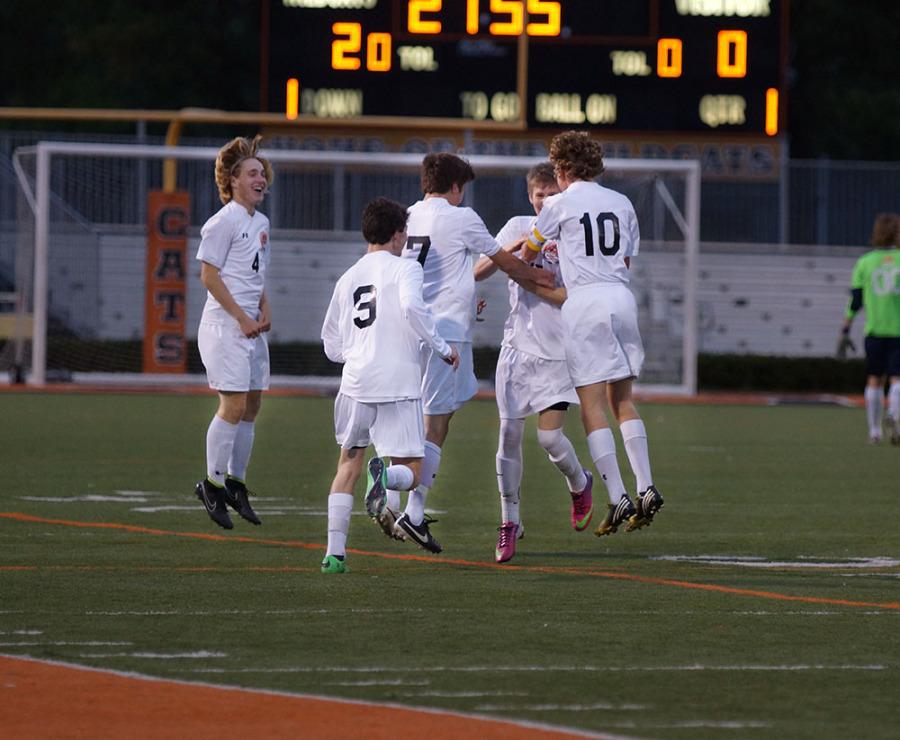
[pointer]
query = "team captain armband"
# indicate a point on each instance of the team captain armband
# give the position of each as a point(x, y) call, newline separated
point(535, 241)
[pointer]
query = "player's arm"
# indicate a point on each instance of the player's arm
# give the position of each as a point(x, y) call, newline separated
point(855, 303)
point(485, 266)
point(519, 270)
point(419, 316)
point(557, 296)
point(331, 330)
point(212, 281)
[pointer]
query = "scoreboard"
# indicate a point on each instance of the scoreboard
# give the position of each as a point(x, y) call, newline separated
point(702, 66)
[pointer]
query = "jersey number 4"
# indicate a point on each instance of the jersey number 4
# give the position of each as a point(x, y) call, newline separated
point(420, 244)
point(255, 265)
point(367, 306)
point(602, 218)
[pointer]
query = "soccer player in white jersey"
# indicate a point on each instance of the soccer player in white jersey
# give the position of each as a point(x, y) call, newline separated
point(374, 324)
point(445, 237)
point(597, 235)
point(532, 377)
point(234, 256)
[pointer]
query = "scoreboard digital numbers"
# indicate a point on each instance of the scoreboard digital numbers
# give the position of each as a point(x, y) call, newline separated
point(619, 65)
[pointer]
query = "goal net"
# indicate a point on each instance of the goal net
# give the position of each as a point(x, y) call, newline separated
point(83, 226)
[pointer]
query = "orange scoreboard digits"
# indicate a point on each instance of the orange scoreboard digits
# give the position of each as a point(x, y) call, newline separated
point(641, 65)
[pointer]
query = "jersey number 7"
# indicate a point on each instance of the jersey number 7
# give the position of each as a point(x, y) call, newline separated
point(420, 244)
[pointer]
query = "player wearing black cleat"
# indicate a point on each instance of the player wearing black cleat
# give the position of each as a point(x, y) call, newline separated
point(213, 498)
point(236, 494)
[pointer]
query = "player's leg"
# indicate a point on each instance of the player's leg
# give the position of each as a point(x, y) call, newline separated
point(634, 436)
point(509, 483)
point(876, 369)
point(236, 493)
point(562, 454)
point(340, 507)
point(893, 416)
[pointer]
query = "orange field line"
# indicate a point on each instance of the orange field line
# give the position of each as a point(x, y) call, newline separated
point(772, 595)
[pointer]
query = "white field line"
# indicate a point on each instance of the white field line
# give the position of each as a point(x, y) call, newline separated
point(357, 702)
point(694, 724)
point(23, 632)
point(88, 643)
point(385, 682)
point(593, 707)
point(158, 656)
point(89, 498)
point(803, 562)
point(561, 669)
point(463, 694)
point(249, 612)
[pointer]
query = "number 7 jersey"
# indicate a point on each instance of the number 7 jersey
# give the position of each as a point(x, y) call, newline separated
point(595, 228)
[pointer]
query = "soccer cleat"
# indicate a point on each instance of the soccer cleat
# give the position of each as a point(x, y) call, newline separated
point(615, 515)
point(236, 497)
point(334, 564)
point(648, 503)
point(875, 439)
point(387, 520)
point(506, 541)
point(420, 534)
point(213, 498)
point(583, 505)
point(376, 491)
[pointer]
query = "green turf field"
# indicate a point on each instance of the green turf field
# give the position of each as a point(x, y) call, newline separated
point(764, 602)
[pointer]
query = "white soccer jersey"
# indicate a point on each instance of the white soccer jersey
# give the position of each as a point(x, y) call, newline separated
point(445, 239)
point(374, 324)
point(596, 229)
point(534, 325)
point(238, 245)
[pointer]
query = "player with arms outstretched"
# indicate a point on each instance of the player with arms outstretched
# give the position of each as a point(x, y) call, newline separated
point(596, 230)
point(234, 256)
point(532, 377)
point(374, 324)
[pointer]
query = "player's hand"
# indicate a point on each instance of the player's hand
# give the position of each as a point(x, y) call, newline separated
point(249, 327)
point(265, 318)
point(541, 277)
point(845, 345)
point(479, 308)
point(453, 359)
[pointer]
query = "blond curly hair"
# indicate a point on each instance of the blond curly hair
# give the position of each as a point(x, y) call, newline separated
point(229, 160)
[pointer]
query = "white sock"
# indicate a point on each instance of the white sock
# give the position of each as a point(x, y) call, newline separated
point(415, 502)
point(240, 453)
point(894, 401)
point(509, 507)
point(399, 478)
point(874, 405)
point(562, 454)
point(602, 446)
point(392, 501)
point(340, 505)
point(219, 441)
point(509, 457)
point(634, 435)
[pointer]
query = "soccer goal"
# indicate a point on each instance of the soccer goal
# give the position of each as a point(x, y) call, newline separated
point(93, 211)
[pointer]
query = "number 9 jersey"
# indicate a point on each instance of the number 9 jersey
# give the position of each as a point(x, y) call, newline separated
point(595, 228)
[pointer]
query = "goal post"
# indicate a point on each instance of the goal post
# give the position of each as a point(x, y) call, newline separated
point(83, 195)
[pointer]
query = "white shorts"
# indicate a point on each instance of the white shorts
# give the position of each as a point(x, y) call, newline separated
point(233, 362)
point(526, 385)
point(396, 428)
point(444, 389)
point(603, 343)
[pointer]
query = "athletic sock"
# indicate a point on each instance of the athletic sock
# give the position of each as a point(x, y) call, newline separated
point(562, 454)
point(894, 401)
point(874, 406)
point(634, 435)
point(602, 446)
point(240, 452)
point(415, 502)
point(219, 442)
point(509, 507)
point(509, 456)
point(340, 505)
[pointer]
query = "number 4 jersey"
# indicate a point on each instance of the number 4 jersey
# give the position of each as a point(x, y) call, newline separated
point(237, 243)
point(373, 325)
point(595, 228)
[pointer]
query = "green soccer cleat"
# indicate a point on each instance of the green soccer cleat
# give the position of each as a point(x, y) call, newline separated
point(334, 564)
point(376, 487)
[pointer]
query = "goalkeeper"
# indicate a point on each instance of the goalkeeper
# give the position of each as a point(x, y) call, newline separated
point(875, 287)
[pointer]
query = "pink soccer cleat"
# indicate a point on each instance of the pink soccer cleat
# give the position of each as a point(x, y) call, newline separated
point(583, 505)
point(506, 541)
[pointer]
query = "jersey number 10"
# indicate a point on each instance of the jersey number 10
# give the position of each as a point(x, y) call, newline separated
point(601, 220)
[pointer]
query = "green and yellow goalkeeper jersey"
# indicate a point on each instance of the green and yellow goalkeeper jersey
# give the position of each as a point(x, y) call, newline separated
point(877, 274)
